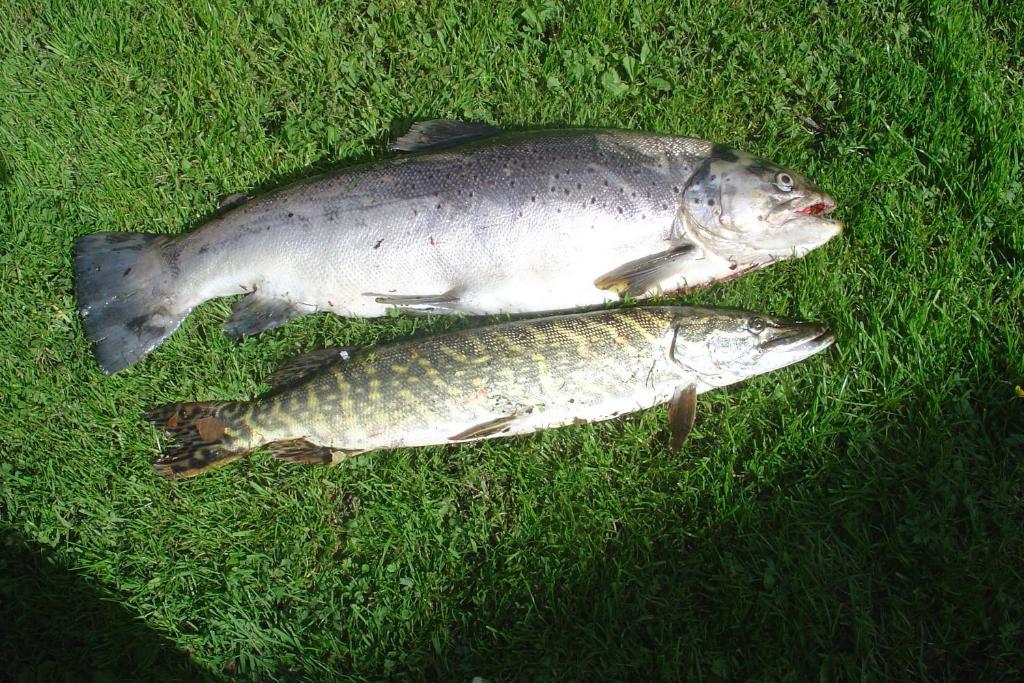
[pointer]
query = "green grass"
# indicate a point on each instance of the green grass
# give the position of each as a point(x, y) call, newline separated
point(860, 516)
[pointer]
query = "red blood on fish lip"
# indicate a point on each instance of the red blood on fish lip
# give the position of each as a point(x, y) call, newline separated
point(817, 209)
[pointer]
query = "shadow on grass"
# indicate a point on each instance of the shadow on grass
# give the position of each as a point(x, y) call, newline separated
point(57, 626)
point(896, 554)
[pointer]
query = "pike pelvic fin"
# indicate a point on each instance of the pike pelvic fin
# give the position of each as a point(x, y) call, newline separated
point(485, 429)
point(258, 312)
point(296, 369)
point(638, 277)
point(441, 133)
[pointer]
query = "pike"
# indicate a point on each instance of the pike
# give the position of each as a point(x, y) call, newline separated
point(514, 378)
point(470, 220)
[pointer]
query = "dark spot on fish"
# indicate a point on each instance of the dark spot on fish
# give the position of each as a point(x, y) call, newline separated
point(712, 177)
point(379, 242)
point(711, 202)
point(579, 186)
point(438, 207)
point(533, 198)
point(619, 208)
point(291, 215)
point(138, 324)
point(205, 248)
point(557, 176)
point(675, 189)
point(724, 153)
point(126, 271)
point(593, 200)
point(567, 192)
point(432, 241)
point(733, 266)
point(471, 193)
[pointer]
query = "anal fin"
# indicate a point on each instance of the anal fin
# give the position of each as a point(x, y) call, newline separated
point(636, 278)
point(300, 451)
point(259, 312)
point(448, 301)
point(301, 367)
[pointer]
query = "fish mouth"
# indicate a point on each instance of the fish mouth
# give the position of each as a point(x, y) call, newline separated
point(818, 208)
point(801, 337)
point(811, 204)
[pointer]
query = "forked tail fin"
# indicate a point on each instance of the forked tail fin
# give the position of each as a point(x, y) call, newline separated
point(127, 293)
point(206, 435)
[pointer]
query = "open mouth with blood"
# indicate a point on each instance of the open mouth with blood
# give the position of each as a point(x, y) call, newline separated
point(817, 209)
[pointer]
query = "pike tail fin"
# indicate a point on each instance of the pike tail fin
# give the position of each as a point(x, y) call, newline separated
point(125, 284)
point(205, 436)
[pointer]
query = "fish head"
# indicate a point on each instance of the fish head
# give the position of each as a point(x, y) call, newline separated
point(724, 346)
point(754, 212)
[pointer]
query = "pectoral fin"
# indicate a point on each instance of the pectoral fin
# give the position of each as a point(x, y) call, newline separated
point(682, 412)
point(441, 133)
point(299, 368)
point(485, 429)
point(640, 276)
point(258, 312)
point(449, 301)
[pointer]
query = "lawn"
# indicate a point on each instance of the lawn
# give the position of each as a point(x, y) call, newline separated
point(859, 516)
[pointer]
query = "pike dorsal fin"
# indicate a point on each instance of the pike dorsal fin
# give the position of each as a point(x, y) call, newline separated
point(301, 367)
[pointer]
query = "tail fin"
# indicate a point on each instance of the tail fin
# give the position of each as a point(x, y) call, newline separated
point(124, 286)
point(203, 440)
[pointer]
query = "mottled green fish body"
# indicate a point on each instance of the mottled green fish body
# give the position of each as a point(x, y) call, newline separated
point(513, 378)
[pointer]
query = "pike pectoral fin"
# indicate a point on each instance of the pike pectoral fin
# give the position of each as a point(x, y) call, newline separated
point(257, 313)
point(485, 429)
point(638, 277)
point(299, 368)
point(300, 451)
point(441, 133)
point(682, 412)
point(449, 301)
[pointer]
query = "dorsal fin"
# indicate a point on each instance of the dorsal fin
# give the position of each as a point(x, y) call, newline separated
point(441, 133)
point(299, 368)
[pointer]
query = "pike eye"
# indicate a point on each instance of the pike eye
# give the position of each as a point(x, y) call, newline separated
point(757, 325)
point(784, 181)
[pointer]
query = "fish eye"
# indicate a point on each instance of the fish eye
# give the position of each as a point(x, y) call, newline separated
point(757, 325)
point(784, 181)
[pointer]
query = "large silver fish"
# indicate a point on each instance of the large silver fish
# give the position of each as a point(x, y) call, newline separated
point(482, 383)
point(504, 223)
